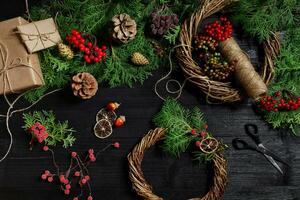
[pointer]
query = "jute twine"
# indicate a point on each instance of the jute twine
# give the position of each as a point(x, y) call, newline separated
point(218, 91)
point(9, 64)
point(245, 73)
point(144, 189)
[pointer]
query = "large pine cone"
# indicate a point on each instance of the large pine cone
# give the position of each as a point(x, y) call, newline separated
point(124, 28)
point(84, 85)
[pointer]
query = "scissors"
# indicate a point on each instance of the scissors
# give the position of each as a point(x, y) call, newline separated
point(252, 131)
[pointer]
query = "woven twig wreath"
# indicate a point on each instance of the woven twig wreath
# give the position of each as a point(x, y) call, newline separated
point(215, 90)
point(144, 189)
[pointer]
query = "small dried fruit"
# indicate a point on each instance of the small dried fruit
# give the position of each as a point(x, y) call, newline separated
point(106, 114)
point(120, 121)
point(103, 129)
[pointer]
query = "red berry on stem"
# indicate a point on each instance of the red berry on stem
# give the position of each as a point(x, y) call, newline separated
point(45, 148)
point(193, 132)
point(73, 154)
point(68, 186)
point(203, 134)
point(87, 177)
point(90, 198)
point(83, 181)
point(44, 177)
point(91, 151)
point(116, 145)
point(47, 172)
point(67, 192)
point(77, 174)
point(197, 143)
point(50, 179)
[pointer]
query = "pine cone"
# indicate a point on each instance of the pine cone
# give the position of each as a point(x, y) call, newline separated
point(139, 59)
point(65, 51)
point(84, 85)
point(124, 28)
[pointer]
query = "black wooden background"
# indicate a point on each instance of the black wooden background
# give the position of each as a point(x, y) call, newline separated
point(251, 177)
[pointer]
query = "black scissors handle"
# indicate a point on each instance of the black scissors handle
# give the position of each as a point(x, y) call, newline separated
point(252, 131)
point(240, 144)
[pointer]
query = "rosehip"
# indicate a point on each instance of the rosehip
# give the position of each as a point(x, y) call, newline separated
point(90, 198)
point(112, 106)
point(45, 148)
point(73, 154)
point(50, 179)
point(116, 145)
point(44, 176)
point(91, 151)
point(77, 173)
point(68, 186)
point(67, 192)
point(87, 177)
point(197, 143)
point(120, 121)
point(193, 132)
point(83, 181)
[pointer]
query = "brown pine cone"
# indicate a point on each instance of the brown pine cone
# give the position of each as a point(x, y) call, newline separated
point(84, 85)
point(124, 28)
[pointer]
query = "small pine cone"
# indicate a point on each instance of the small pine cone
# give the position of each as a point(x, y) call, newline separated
point(139, 59)
point(84, 85)
point(65, 51)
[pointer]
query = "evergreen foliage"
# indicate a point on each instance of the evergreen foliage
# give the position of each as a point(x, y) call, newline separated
point(179, 122)
point(260, 18)
point(59, 132)
point(93, 17)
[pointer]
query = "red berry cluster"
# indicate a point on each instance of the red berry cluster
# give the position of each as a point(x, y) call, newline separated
point(77, 170)
point(203, 134)
point(279, 102)
point(219, 30)
point(92, 155)
point(92, 53)
point(38, 132)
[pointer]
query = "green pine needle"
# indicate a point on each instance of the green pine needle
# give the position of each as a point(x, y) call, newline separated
point(172, 35)
point(59, 132)
point(179, 122)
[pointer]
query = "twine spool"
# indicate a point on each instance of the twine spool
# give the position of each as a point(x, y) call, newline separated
point(245, 73)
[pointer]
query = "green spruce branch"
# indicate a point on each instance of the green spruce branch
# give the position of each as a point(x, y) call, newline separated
point(59, 132)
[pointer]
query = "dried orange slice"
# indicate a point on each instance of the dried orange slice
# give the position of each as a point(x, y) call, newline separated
point(103, 129)
point(106, 114)
point(209, 145)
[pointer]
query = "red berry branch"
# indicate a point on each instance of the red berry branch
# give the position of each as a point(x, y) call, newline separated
point(77, 174)
point(219, 30)
point(279, 101)
point(88, 45)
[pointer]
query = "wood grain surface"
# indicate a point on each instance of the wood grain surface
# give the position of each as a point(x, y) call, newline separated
point(251, 176)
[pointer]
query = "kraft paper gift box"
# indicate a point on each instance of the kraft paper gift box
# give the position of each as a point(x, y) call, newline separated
point(39, 35)
point(19, 71)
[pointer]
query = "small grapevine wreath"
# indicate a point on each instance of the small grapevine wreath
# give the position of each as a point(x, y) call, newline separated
point(180, 128)
point(216, 90)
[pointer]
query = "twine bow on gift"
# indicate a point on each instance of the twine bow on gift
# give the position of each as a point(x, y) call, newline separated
point(42, 37)
point(7, 66)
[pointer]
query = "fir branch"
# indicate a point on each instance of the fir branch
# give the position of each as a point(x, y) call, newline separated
point(59, 132)
point(179, 122)
point(285, 120)
point(260, 18)
point(172, 35)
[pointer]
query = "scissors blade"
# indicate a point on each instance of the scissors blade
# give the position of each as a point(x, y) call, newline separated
point(269, 153)
point(273, 162)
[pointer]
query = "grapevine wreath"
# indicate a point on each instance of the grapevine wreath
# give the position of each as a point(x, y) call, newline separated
point(180, 128)
point(216, 90)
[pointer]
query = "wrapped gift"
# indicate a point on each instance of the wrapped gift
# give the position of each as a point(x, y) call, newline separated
point(19, 71)
point(39, 35)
